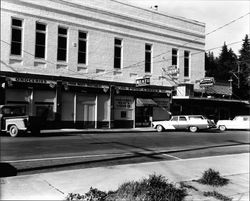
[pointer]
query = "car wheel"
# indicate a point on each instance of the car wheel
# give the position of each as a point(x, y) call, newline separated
point(13, 131)
point(193, 129)
point(222, 128)
point(159, 128)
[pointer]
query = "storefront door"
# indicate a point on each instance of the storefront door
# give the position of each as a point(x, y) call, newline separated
point(143, 116)
point(89, 115)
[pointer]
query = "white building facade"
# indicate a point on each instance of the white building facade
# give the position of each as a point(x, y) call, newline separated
point(76, 63)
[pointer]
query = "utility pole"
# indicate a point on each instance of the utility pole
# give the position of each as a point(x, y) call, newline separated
point(238, 74)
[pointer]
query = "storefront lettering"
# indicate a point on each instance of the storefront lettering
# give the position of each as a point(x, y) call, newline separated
point(30, 80)
point(123, 103)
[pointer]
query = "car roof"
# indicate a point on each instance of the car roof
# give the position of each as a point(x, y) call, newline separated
point(187, 115)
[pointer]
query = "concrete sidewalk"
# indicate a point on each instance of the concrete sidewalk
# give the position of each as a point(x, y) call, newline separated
point(56, 185)
point(97, 130)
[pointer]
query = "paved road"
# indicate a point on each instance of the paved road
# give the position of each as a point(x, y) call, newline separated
point(53, 152)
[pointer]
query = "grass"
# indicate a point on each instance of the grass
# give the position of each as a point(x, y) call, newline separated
point(213, 178)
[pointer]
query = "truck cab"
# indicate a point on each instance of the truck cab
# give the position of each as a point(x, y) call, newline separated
point(14, 121)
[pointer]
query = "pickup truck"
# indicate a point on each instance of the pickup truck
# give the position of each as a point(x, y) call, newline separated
point(14, 121)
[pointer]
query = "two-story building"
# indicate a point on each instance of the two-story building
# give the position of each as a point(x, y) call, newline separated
point(96, 63)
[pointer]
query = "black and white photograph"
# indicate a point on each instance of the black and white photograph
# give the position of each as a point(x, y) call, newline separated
point(125, 100)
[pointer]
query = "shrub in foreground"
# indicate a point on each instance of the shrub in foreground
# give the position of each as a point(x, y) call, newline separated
point(213, 178)
point(154, 188)
point(217, 196)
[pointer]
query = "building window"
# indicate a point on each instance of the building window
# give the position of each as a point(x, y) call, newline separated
point(174, 57)
point(82, 47)
point(148, 58)
point(62, 44)
point(40, 40)
point(186, 63)
point(118, 53)
point(16, 37)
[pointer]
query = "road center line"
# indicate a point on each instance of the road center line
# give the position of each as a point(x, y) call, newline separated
point(171, 156)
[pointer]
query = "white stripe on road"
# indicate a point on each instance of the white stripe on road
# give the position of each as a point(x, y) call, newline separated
point(87, 156)
point(67, 157)
point(172, 156)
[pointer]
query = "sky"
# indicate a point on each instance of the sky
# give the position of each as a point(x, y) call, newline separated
point(214, 13)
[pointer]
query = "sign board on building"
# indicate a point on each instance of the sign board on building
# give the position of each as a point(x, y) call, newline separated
point(171, 70)
point(143, 81)
point(207, 81)
point(123, 102)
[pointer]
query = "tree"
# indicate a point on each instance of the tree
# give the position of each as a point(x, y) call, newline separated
point(211, 66)
point(244, 70)
point(227, 62)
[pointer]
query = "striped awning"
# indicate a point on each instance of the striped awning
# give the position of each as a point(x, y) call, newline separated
point(140, 102)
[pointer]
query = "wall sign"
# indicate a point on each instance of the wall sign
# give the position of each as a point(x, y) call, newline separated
point(207, 81)
point(31, 80)
point(123, 102)
point(142, 81)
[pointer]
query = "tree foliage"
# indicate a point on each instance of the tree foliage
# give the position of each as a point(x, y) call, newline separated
point(228, 66)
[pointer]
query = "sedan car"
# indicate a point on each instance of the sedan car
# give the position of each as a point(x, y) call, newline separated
point(192, 123)
point(239, 122)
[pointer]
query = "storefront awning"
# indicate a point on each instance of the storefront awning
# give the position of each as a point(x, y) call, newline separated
point(140, 102)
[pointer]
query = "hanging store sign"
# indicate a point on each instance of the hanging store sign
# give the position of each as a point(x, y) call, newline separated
point(207, 81)
point(143, 82)
point(171, 70)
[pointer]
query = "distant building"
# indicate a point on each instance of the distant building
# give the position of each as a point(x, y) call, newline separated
point(96, 63)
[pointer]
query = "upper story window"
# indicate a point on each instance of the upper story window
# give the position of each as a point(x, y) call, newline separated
point(148, 58)
point(82, 47)
point(118, 53)
point(40, 40)
point(174, 57)
point(62, 44)
point(186, 63)
point(16, 37)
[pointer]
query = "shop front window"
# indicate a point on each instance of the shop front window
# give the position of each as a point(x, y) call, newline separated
point(45, 112)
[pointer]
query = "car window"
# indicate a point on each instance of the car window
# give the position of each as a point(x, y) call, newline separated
point(245, 119)
point(182, 119)
point(174, 119)
point(13, 111)
point(195, 117)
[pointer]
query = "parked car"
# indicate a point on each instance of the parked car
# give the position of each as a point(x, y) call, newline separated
point(192, 123)
point(14, 121)
point(239, 122)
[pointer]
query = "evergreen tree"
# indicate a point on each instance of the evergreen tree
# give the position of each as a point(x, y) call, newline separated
point(244, 71)
point(227, 62)
point(210, 65)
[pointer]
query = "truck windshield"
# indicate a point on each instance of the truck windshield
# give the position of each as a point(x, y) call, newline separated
point(13, 111)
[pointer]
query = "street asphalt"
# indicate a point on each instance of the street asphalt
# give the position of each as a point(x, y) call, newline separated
point(57, 185)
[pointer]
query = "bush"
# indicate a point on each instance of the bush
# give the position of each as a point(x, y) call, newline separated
point(217, 195)
point(92, 195)
point(213, 178)
point(155, 188)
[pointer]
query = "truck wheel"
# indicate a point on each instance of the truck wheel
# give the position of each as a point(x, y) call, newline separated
point(159, 128)
point(13, 131)
point(193, 129)
point(222, 128)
